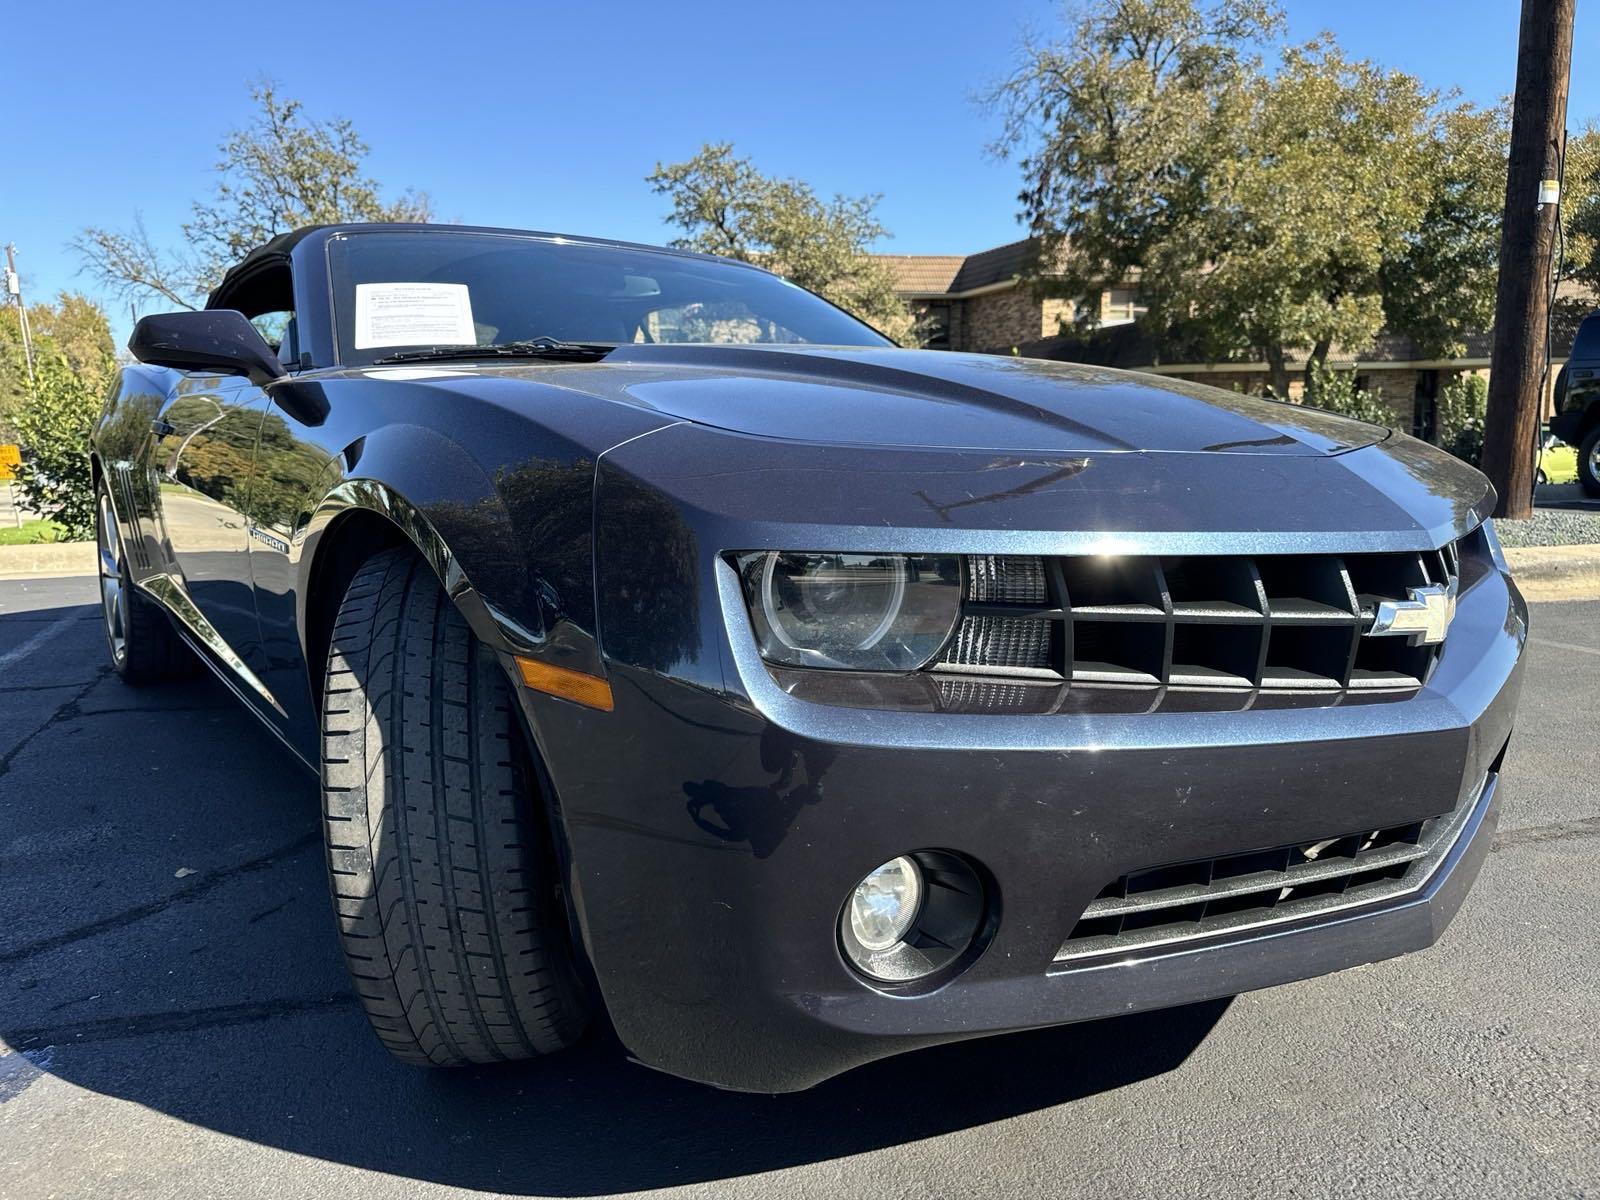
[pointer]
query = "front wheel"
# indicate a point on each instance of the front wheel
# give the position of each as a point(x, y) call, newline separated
point(1589, 462)
point(144, 646)
point(443, 878)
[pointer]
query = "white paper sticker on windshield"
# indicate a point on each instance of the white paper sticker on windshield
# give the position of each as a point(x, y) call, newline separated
point(413, 314)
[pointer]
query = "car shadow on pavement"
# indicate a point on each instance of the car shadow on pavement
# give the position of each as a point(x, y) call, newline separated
point(217, 996)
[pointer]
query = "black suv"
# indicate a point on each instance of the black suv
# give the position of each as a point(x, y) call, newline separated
point(1577, 420)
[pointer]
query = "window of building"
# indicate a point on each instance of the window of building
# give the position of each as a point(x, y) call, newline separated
point(1425, 406)
point(933, 325)
point(1122, 306)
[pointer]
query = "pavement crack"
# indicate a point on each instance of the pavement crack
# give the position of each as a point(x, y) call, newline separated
point(1560, 831)
point(20, 688)
point(67, 710)
point(267, 912)
point(141, 708)
point(109, 1029)
point(205, 882)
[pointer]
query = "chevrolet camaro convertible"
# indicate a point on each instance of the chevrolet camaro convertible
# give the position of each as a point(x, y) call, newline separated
point(677, 653)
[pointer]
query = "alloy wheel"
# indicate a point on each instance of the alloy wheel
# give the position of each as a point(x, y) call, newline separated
point(113, 589)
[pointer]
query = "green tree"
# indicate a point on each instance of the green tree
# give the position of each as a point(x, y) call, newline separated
point(281, 171)
point(74, 327)
point(1580, 212)
point(1441, 283)
point(1263, 213)
point(725, 206)
point(54, 424)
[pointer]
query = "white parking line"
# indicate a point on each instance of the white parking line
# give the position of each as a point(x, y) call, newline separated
point(33, 643)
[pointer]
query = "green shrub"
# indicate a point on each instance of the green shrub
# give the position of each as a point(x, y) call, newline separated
point(1337, 392)
point(54, 425)
point(1460, 409)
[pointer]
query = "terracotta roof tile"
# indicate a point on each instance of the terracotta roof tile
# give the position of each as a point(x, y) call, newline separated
point(920, 274)
point(936, 274)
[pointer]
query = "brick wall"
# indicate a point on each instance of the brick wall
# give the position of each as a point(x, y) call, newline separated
point(1397, 390)
point(1250, 382)
point(1056, 317)
point(1000, 320)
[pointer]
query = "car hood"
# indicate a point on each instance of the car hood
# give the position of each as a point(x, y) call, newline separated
point(936, 399)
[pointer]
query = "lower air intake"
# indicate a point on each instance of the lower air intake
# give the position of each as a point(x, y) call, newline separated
point(1165, 906)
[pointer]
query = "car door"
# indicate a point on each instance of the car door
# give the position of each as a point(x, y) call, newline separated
point(204, 458)
point(293, 471)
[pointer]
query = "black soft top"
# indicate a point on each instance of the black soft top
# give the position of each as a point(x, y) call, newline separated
point(235, 284)
point(270, 254)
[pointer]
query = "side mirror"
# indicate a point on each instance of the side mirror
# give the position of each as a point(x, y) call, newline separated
point(304, 401)
point(219, 340)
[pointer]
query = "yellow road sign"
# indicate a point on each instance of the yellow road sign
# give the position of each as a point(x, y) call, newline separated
point(10, 460)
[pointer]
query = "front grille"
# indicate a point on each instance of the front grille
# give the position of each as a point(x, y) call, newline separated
point(1013, 645)
point(1205, 898)
point(1005, 579)
point(1275, 622)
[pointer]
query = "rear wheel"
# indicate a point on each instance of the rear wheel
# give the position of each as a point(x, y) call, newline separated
point(1589, 462)
point(438, 856)
point(144, 646)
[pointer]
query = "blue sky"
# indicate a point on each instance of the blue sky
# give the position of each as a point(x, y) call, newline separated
point(548, 116)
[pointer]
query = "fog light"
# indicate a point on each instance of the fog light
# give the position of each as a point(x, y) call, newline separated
point(918, 919)
point(885, 903)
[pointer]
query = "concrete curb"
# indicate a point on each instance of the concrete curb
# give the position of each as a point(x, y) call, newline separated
point(1556, 572)
point(1543, 572)
point(48, 560)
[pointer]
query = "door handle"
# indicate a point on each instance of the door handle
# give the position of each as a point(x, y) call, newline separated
point(162, 427)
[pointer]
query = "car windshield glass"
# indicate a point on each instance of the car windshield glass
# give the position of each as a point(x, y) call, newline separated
point(424, 289)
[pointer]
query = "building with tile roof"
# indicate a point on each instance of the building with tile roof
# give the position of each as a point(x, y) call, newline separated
point(991, 302)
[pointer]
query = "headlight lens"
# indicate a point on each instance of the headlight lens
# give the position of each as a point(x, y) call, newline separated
point(858, 612)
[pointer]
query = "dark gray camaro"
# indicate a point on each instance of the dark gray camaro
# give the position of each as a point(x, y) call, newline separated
point(677, 653)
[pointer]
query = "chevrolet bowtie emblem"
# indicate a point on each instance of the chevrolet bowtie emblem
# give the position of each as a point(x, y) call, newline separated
point(1425, 618)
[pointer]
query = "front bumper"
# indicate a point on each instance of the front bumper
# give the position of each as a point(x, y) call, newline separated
point(715, 831)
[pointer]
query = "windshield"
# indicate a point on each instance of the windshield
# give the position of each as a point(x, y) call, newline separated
point(392, 291)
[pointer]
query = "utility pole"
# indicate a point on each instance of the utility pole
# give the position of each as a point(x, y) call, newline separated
point(1518, 366)
point(14, 291)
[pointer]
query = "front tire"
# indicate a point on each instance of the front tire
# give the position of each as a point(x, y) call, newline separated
point(441, 869)
point(1589, 462)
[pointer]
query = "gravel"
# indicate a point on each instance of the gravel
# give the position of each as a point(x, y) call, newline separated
point(1552, 527)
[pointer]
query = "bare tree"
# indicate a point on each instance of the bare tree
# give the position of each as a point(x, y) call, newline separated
point(281, 171)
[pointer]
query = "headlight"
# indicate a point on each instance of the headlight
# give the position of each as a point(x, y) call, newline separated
point(856, 612)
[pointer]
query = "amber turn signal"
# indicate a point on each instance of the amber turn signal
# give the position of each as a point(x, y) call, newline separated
point(587, 690)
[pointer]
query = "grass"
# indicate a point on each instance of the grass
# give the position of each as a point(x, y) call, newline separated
point(30, 533)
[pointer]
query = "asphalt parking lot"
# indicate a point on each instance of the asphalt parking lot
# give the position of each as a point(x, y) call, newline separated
point(175, 1020)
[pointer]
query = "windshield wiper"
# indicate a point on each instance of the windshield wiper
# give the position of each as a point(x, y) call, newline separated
point(540, 347)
